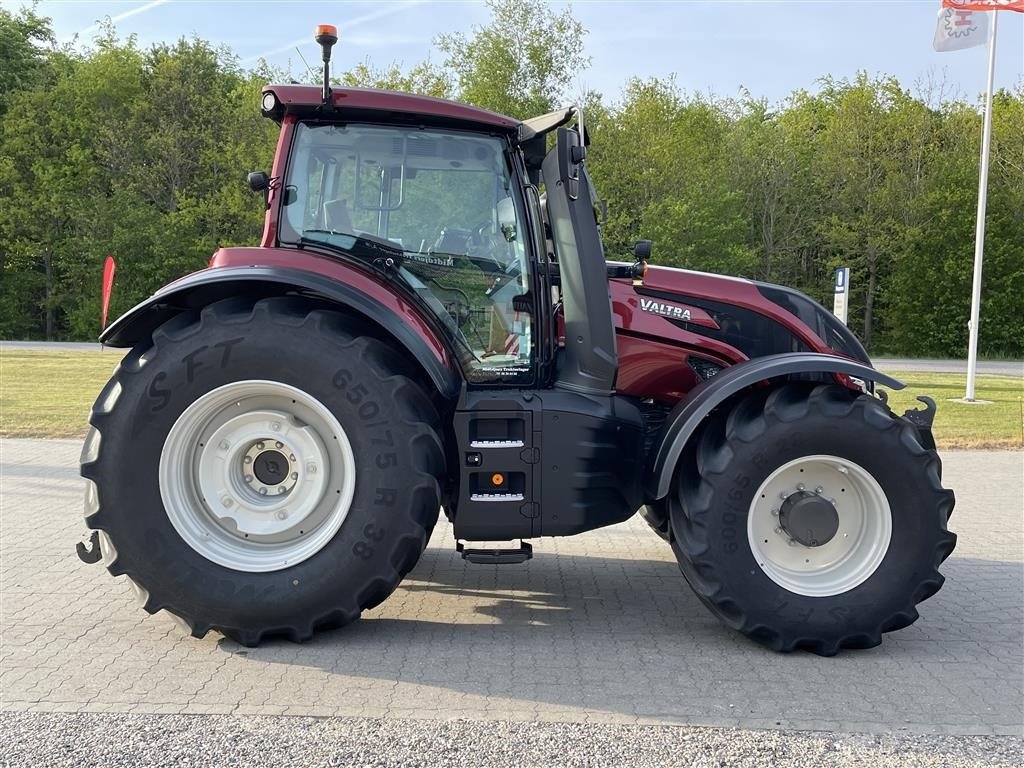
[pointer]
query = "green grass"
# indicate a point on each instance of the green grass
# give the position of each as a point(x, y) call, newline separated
point(48, 394)
point(965, 425)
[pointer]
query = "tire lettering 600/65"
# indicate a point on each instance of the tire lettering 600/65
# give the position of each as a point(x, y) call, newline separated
point(367, 410)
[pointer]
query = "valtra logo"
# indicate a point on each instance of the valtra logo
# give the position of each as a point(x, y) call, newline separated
point(666, 310)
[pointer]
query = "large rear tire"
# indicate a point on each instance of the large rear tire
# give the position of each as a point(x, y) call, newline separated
point(811, 518)
point(261, 470)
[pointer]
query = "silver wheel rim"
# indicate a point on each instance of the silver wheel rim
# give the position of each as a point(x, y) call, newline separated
point(854, 552)
point(218, 456)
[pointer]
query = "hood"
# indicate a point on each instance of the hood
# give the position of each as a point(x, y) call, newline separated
point(755, 317)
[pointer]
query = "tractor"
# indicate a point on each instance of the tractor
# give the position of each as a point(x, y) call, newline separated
point(430, 322)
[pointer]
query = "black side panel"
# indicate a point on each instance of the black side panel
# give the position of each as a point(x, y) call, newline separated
point(688, 414)
point(592, 462)
point(545, 464)
point(590, 359)
point(498, 456)
point(205, 287)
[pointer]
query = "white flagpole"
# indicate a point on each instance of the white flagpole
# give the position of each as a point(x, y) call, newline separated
point(979, 234)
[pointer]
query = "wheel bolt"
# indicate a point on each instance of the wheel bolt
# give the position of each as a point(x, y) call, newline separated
point(295, 475)
point(259, 446)
point(248, 478)
point(793, 542)
point(800, 486)
point(778, 530)
point(263, 490)
point(819, 490)
point(775, 512)
point(783, 495)
point(291, 457)
point(248, 460)
point(281, 489)
point(279, 444)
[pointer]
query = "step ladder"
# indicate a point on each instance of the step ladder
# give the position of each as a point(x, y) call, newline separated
point(520, 554)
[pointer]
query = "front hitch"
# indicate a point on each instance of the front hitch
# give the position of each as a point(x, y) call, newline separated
point(922, 418)
point(90, 554)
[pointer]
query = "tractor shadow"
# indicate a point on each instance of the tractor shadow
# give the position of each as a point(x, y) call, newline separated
point(571, 633)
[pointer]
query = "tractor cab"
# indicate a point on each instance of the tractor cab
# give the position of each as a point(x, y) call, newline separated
point(449, 208)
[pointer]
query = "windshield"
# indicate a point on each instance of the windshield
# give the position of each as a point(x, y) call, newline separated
point(443, 203)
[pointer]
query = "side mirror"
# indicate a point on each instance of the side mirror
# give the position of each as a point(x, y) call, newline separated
point(258, 181)
point(642, 250)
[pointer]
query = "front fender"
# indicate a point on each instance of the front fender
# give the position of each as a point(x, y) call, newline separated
point(394, 315)
point(689, 413)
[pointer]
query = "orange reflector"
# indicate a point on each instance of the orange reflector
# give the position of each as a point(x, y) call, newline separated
point(497, 478)
point(326, 29)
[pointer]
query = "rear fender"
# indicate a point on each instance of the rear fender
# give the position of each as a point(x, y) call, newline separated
point(687, 416)
point(199, 289)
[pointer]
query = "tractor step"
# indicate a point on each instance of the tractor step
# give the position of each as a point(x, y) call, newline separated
point(496, 556)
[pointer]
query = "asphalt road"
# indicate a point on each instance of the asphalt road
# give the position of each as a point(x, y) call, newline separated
point(598, 629)
point(985, 367)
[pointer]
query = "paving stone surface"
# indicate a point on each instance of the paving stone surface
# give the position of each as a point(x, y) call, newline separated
point(598, 628)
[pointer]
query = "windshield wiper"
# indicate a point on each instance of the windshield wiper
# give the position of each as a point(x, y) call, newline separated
point(379, 252)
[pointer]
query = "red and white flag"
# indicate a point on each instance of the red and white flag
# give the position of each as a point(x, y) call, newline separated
point(985, 5)
point(958, 29)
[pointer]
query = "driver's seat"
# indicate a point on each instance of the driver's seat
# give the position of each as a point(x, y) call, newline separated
point(336, 217)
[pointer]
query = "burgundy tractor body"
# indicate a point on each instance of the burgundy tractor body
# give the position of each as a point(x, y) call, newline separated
point(430, 322)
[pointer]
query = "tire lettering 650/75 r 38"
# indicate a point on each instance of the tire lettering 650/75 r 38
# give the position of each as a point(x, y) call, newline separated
point(256, 469)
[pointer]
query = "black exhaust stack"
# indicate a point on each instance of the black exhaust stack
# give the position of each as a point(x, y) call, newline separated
point(326, 36)
point(591, 360)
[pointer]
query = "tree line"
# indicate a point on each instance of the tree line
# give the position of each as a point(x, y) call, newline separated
point(142, 154)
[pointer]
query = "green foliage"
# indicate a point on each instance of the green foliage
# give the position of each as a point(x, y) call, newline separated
point(23, 63)
point(139, 154)
point(424, 78)
point(142, 153)
point(521, 62)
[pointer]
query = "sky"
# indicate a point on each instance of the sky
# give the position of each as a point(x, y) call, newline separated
point(770, 47)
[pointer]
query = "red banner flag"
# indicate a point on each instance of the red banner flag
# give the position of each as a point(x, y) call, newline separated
point(985, 5)
point(108, 285)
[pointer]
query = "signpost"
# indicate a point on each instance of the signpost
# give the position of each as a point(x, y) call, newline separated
point(841, 294)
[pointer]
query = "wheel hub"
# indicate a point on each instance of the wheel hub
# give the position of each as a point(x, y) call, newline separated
point(257, 475)
point(809, 518)
point(270, 471)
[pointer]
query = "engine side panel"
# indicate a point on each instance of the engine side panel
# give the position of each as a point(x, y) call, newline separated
point(679, 320)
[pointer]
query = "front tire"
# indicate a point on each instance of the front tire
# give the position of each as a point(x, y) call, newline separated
point(262, 470)
point(866, 526)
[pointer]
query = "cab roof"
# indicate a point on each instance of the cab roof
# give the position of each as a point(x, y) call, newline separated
point(374, 103)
